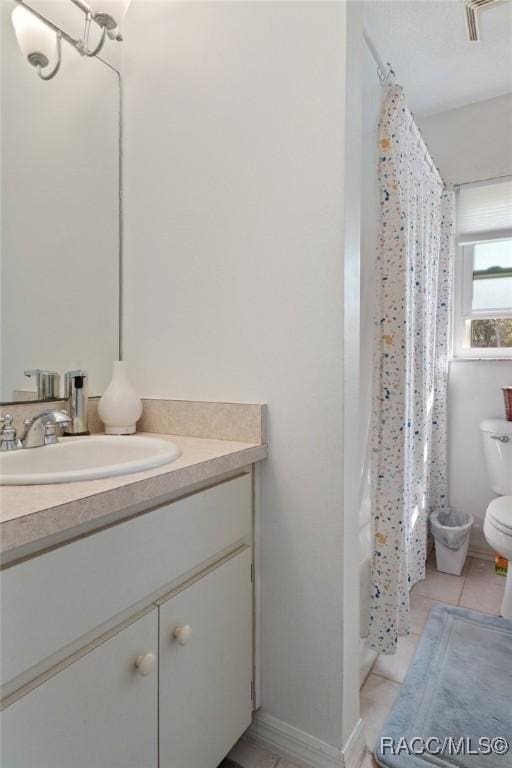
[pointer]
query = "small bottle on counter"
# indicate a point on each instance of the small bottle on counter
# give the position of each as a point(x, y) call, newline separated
point(120, 407)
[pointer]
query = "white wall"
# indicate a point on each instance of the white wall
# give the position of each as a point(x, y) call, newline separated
point(350, 426)
point(234, 241)
point(471, 143)
point(60, 244)
point(372, 99)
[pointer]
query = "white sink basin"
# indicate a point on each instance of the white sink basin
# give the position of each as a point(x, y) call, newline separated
point(85, 458)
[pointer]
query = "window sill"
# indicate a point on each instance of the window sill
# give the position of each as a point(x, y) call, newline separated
point(475, 359)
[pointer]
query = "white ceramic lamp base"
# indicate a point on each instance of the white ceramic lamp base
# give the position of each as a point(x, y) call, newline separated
point(120, 407)
point(118, 430)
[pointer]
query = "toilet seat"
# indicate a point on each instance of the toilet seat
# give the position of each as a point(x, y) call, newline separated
point(499, 513)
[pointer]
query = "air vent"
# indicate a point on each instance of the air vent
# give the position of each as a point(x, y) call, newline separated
point(472, 8)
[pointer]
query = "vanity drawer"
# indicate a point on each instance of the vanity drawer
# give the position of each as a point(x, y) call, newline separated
point(52, 600)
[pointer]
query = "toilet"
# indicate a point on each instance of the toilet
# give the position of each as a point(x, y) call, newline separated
point(497, 437)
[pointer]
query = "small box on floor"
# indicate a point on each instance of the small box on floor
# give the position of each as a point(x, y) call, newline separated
point(501, 565)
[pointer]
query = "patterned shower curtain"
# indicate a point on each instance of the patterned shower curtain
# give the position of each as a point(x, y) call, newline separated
point(414, 266)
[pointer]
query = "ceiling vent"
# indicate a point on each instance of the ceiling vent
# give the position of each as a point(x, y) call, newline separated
point(472, 8)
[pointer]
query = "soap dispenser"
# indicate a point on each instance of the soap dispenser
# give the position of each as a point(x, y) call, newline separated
point(75, 388)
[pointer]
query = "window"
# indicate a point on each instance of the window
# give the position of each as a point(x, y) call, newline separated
point(482, 318)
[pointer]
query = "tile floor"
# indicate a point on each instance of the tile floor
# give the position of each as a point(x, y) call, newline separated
point(248, 756)
point(478, 588)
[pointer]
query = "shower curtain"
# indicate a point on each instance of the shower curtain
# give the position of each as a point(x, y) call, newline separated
point(410, 367)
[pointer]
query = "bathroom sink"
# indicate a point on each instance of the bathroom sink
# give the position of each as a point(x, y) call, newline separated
point(85, 458)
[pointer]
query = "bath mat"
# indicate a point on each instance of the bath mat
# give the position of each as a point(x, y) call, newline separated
point(455, 705)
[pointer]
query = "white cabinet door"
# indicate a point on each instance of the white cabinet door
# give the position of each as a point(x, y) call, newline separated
point(206, 667)
point(100, 712)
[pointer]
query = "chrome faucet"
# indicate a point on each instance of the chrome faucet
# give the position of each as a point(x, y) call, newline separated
point(41, 429)
point(44, 428)
point(8, 438)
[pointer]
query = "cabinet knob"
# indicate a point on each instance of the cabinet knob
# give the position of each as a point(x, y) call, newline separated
point(145, 664)
point(182, 634)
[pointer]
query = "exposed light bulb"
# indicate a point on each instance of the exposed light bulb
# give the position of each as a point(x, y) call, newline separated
point(34, 37)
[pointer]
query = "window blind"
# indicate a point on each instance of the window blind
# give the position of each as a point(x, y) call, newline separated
point(484, 211)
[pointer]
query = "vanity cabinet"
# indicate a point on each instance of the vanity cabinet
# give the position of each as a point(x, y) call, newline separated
point(60, 596)
point(165, 683)
point(205, 669)
point(99, 712)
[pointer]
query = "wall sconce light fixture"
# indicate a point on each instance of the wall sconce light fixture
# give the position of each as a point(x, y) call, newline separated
point(36, 41)
point(40, 39)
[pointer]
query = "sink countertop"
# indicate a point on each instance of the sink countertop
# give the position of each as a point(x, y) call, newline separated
point(35, 517)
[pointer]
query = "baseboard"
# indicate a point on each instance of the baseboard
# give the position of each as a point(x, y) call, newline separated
point(481, 554)
point(303, 749)
point(367, 657)
point(355, 748)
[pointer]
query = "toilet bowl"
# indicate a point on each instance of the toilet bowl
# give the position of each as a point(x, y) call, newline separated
point(498, 532)
point(497, 437)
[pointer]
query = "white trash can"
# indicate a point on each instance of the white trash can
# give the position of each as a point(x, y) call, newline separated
point(451, 529)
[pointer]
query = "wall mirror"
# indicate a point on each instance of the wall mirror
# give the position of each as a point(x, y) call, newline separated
point(60, 243)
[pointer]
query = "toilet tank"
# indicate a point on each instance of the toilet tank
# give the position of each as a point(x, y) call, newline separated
point(497, 437)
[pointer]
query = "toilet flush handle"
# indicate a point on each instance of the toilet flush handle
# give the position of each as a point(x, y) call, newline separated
point(501, 438)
